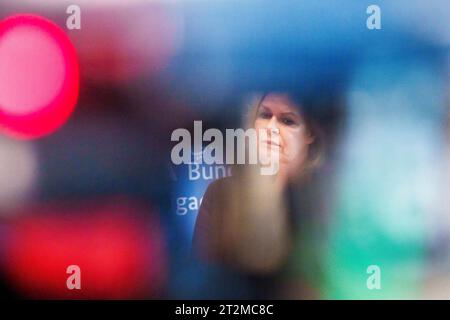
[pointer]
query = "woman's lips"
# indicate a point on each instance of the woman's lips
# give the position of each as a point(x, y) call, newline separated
point(272, 143)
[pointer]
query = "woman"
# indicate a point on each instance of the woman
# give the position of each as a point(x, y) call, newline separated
point(247, 220)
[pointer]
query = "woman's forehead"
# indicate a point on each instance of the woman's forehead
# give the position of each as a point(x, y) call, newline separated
point(279, 103)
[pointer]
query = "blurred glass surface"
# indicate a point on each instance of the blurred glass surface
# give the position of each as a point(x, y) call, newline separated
point(102, 192)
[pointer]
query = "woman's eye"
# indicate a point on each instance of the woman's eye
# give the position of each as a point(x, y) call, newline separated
point(265, 115)
point(288, 121)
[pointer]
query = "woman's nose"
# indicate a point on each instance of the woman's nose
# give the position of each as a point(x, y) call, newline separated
point(272, 125)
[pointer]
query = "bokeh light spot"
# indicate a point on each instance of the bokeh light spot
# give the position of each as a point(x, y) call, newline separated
point(38, 76)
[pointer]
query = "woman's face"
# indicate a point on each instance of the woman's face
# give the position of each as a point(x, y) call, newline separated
point(290, 138)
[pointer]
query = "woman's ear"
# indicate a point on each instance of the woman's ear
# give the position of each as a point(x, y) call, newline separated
point(310, 138)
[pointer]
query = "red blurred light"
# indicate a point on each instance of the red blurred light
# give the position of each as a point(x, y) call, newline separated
point(119, 251)
point(124, 44)
point(39, 76)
